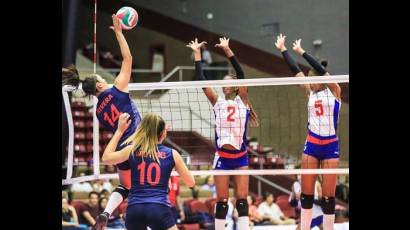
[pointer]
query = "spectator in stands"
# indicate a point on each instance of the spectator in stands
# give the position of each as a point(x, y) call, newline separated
point(173, 195)
point(81, 186)
point(64, 194)
point(268, 209)
point(115, 220)
point(209, 185)
point(69, 217)
point(254, 217)
point(105, 193)
point(158, 59)
point(90, 211)
point(342, 191)
point(110, 169)
point(100, 185)
point(90, 168)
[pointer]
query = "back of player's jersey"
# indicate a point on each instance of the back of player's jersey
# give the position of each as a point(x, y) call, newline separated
point(149, 180)
point(111, 103)
point(231, 119)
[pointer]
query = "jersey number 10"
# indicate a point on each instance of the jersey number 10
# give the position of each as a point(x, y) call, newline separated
point(152, 166)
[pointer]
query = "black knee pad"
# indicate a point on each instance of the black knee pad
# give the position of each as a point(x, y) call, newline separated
point(328, 205)
point(221, 210)
point(122, 190)
point(242, 207)
point(307, 201)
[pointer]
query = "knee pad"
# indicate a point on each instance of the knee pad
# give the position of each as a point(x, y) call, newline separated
point(221, 210)
point(328, 205)
point(307, 201)
point(122, 190)
point(242, 207)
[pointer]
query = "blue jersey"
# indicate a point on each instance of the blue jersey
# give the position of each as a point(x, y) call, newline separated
point(149, 180)
point(111, 103)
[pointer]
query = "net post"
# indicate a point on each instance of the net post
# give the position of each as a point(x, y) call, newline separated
point(70, 132)
point(96, 140)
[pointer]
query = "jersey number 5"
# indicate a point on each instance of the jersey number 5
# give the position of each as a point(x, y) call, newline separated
point(115, 114)
point(319, 108)
point(231, 111)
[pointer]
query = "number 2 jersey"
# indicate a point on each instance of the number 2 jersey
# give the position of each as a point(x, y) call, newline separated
point(231, 119)
point(111, 103)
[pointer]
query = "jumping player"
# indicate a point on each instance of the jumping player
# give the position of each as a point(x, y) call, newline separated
point(322, 145)
point(112, 101)
point(232, 113)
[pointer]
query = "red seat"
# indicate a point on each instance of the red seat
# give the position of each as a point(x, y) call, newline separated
point(210, 204)
point(79, 148)
point(89, 148)
point(79, 124)
point(89, 136)
point(282, 197)
point(258, 201)
point(287, 210)
point(89, 124)
point(198, 206)
point(79, 136)
point(78, 104)
point(78, 114)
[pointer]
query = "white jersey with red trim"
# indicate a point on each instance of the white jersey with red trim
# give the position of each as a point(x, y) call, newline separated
point(323, 113)
point(231, 118)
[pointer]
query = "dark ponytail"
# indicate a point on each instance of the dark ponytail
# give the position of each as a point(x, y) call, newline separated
point(70, 76)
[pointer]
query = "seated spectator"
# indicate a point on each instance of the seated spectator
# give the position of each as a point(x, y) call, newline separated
point(64, 194)
point(105, 193)
point(110, 169)
point(90, 211)
point(209, 185)
point(342, 191)
point(254, 217)
point(69, 217)
point(99, 185)
point(173, 195)
point(115, 220)
point(82, 186)
point(269, 210)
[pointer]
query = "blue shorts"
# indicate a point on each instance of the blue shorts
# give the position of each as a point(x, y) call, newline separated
point(155, 216)
point(225, 163)
point(316, 222)
point(322, 152)
point(321, 148)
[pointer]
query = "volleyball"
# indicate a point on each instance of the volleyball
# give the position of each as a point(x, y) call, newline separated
point(128, 17)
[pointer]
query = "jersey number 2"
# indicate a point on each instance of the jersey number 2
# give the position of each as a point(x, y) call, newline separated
point(152, 166)
point(115, 114)
point(231, 111)
point(319, 108)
